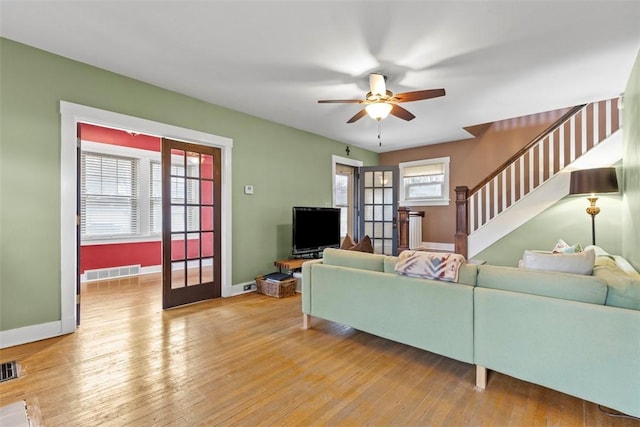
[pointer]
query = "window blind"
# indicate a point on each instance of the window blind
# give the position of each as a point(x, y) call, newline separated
point(108, 199)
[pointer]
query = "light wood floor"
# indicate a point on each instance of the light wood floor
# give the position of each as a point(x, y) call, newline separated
point(245, 361)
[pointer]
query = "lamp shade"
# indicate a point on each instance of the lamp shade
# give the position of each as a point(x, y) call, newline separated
point(378, 110)
point(591, 181)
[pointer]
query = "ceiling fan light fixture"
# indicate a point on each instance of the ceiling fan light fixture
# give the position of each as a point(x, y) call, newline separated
point(378, 110)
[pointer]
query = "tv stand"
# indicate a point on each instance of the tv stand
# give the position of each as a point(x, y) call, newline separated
point(290, 264)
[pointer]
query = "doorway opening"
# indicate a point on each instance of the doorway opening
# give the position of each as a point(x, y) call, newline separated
point(121, 206)
point(71, 116)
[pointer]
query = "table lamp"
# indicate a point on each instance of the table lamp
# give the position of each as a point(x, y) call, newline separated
point(592, 181)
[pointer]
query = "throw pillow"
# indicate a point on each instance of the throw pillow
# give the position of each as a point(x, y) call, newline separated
point(347, 243)
point(563, 248)
point(363, 246)
point(579, 263)
point(430, 265)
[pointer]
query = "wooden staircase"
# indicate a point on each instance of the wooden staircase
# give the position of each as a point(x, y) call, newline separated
point(539, 163)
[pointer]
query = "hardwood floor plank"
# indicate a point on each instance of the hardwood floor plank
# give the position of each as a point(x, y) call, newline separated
point(245, 361)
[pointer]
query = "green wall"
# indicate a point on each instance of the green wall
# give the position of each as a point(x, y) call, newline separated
point(286, 167)
point(631, 170)
point(566, 220)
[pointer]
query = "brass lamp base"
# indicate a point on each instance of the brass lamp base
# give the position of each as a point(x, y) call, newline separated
point(593, 210)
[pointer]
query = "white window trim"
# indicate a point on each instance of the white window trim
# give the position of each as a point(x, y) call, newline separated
point(342, 161)
point(444, 201)
point(144, 158)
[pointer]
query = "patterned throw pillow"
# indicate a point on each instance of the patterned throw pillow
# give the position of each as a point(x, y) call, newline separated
point(430, 265)
point(563, 248)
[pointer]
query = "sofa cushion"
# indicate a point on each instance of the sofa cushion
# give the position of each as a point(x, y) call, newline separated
point(353, 259)
point(468, 274)
point(544, 283)
point(624, 288)
point(578, 263)
point(390, 264)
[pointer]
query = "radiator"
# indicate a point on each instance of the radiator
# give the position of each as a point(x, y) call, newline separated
point(415, 230)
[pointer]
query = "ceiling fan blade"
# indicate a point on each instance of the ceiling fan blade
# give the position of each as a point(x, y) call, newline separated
point(358, 116)
point(377, 84)
point(419, 95)
point(400, 112)
point(340, 101)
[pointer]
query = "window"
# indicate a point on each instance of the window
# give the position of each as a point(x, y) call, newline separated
point(177, 196)
point(342, 199)
point(425, 182)
point(155, 198)
point(344, 173)
point(109, 199)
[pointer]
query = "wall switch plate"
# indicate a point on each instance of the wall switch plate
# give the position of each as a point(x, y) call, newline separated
point(248, 189)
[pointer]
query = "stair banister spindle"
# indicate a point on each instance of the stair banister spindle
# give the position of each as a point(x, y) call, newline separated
point(596, 124)
point(487, 203)
point(504, 190)
point(572, 139)
point(552, 152)
point(495, 197)
point(583, 132)
point(561, 147)
point(513, 183)
point(541, 162)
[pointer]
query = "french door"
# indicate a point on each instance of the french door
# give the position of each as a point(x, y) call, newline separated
point(379, 207)
point(191, 209)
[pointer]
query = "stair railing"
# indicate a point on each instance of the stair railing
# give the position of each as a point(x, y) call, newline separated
point(571, 136)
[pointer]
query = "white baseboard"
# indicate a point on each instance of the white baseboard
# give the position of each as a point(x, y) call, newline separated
point(31, 333)
point(435, 246)
point(238, 288)
point(151, 269)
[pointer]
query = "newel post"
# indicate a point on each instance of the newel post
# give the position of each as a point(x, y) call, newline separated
point(403, 229)
point(462, 220)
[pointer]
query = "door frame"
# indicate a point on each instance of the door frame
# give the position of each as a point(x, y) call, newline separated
point(70, 115)
point(335, 160)
point(394, 205)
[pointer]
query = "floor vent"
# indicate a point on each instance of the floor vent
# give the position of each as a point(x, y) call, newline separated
point(8, 371)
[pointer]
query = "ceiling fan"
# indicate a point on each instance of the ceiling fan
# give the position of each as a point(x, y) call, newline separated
point(381, 102)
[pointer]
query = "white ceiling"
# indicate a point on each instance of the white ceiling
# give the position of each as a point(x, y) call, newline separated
point(274, 60)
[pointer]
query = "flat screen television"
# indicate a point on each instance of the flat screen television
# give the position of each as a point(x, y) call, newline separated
point(315, 229)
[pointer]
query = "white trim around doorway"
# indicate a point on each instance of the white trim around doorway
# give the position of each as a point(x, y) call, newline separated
point(71, 114)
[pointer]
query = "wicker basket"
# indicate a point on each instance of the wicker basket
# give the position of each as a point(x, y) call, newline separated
point(284, 288)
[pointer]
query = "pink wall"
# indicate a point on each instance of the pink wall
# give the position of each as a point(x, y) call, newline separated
point(144, 253)
point(119, 137)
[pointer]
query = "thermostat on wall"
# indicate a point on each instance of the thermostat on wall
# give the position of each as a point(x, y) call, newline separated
point(248, 189)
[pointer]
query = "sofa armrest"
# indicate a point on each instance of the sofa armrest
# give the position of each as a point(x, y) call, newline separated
point(306, 284)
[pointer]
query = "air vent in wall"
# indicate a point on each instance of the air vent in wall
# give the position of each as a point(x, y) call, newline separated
point(8, 371)
point(110, 273)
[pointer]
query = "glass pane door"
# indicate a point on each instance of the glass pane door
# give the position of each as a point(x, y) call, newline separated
point(379, 207)
point(191, 222)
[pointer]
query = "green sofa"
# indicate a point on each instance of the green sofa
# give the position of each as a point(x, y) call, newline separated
point(573, 333)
